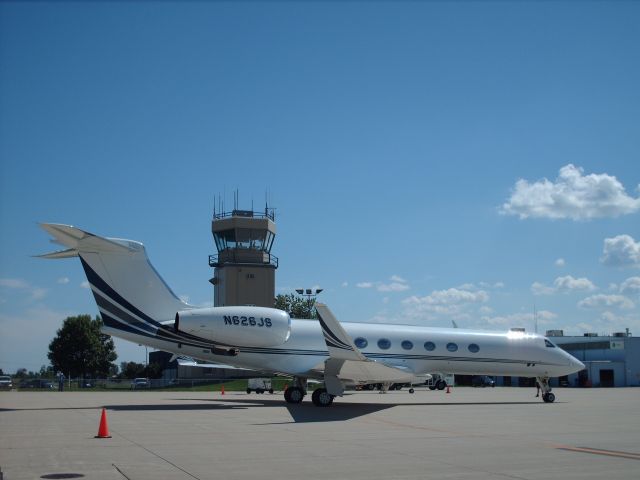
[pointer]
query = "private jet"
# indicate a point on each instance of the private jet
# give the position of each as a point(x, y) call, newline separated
point(137, 305)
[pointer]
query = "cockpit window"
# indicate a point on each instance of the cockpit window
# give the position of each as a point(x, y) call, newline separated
point(549, 344)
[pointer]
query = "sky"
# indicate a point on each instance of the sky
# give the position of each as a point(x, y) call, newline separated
point(429, 162)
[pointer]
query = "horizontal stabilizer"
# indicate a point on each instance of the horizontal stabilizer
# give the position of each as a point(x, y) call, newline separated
point(69, 253)
point(80, 241)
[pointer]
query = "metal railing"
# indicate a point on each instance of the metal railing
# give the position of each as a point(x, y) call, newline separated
point(270, 214)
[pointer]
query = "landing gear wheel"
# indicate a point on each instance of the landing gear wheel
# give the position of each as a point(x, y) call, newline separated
point(293, 395)
point(441, 384)
point(411, 390)
point(321, 398)
point(548, 397)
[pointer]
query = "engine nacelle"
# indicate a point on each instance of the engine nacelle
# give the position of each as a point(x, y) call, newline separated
point(237, 326)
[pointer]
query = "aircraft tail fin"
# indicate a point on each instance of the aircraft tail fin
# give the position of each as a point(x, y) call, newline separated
point(127, 289)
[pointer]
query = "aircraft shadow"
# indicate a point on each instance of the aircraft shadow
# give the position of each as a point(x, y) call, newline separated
point(305, 412)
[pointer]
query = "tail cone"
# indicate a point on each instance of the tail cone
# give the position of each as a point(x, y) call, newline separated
point(103, 430)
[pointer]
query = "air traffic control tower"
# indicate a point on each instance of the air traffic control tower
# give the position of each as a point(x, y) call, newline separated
point(244, 269)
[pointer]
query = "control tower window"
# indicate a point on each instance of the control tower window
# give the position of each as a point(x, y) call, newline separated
point(248, 238)
point(225, 239)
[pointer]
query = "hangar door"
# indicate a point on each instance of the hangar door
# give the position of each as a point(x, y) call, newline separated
point(606, 378)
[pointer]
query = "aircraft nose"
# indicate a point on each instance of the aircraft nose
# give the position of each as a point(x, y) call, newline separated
point(578, 364)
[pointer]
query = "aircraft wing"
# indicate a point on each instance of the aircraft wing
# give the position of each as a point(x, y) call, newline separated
point(346, 362)
point(190, 362)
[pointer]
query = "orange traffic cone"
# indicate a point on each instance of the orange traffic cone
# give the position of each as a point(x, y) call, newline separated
point(222, 389)
point(103, 430)
point(448, 389)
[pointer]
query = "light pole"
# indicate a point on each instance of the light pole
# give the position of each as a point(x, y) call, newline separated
point(311, 295)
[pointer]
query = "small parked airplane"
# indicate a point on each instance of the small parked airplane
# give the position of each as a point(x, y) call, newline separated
point(137, 305)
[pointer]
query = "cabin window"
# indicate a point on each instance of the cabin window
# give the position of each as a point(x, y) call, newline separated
point(473, 348)
point(452, 347)
point(361, 342)
point(549, 344)
point(429, 346)
point(384, 343)
point(407, 345)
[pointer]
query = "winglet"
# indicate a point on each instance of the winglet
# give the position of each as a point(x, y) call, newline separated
point(337, 339)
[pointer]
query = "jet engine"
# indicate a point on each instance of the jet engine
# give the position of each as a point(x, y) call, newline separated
point(237, 326)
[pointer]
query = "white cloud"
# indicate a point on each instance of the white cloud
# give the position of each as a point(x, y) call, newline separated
point(345, 284)
point(538, 288)
point(392, 287)
point(544, 317)
point(566, 284)
point(398, 284)
point(13, 283)
point(560, 262)
point(573, 195)
point(63, 280)
point(444, 302)
point(480, 286)
point(607, 323)
point(631, 286)
point(621, 251)
point(606, 301)
point(85, 284)
point(34, 293)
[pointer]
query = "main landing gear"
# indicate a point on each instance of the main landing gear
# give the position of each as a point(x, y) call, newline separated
point(297, 392)
point(547, 396)
point(322, 398)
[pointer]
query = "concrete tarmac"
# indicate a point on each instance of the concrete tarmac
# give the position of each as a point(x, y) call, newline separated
point(471, 433)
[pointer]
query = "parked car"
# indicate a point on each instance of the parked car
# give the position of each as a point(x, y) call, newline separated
point(483, 381)
point(140, 383)
point(36, 383)
point(5, 382)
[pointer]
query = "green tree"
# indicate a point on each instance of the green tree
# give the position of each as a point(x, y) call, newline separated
point(135, 370)
point(296, 306)
point(80, 348)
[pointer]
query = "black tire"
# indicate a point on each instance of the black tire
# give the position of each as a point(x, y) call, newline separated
point(432, 387)
point(271, 390)
point(549, 397)
point(259, 391)
point(294, 395)
point(321, 398)
point(441, 384)
point(248, 390)
point(411, 390)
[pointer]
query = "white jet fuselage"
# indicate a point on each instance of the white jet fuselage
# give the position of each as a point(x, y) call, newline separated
point(419, 350)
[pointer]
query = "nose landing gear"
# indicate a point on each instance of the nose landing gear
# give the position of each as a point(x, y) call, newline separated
point(543, 384)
